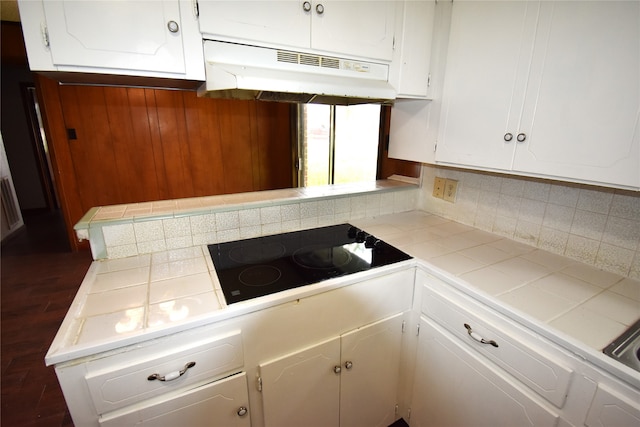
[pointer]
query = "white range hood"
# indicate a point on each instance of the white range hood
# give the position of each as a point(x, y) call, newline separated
point(248, 72)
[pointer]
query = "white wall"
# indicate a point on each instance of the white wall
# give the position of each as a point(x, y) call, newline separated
point(595, 225)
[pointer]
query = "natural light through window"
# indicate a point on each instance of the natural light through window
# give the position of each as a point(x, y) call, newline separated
point(338, 144)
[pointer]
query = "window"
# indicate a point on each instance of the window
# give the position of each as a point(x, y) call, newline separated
point(337, 144)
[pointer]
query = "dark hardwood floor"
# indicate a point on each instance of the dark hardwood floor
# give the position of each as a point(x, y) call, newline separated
point(39, 278)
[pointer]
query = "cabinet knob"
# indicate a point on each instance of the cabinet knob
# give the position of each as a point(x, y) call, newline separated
point(508, 136)
point(173, 26)
point(348, 364)
point(337, 369)
point(521, 137)
point(320, 8)
point(306, 6)
point(242, 411)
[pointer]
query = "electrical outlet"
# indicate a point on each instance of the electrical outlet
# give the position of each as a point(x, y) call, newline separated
point(450, 189)
point(438, 187)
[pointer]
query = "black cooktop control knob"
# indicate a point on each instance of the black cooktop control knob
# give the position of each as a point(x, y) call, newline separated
point(352, 232)
point(372, 242)
point(361, 236)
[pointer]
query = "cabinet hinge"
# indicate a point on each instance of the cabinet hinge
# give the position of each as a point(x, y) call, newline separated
point(396, 411)
point(404, 324)
point(418, 330)
point(45, 34)
point(196, 8)
point(408, 414)
point(435, 146)
point(259, 383)
point(429, 80)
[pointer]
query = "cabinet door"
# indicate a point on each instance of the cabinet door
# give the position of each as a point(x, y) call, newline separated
point(582, 109)
point(361, 28)
point(370, 369)
point(455, 387)
point(215, 404)
point(414, 56)
point(283, 23)
point(132, 35)
point(302, 389)
point(487, 65)
point(611, 408)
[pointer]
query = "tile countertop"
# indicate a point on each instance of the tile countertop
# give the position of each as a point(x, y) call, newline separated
point(122, 300)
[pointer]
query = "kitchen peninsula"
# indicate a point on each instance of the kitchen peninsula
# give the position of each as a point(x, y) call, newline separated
point(152, 301)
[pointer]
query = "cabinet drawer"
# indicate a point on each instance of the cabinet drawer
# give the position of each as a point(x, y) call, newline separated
point(519, 352)
point(222, 403)
point(125, 381)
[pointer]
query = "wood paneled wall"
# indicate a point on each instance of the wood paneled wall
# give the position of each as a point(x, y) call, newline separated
point(136, 145)
point(112, 145)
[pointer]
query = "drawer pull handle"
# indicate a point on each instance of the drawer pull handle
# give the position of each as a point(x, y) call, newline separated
point(478, 337)
point(171, 375)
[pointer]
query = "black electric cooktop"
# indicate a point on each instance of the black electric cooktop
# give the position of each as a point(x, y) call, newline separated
point(265, 265)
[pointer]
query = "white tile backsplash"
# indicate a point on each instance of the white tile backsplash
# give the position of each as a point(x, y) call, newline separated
point(598, 226)
point(175, 224)
point(120, 234)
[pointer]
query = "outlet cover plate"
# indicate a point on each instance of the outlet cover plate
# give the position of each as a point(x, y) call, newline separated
point(438, 187)
point(450, 190)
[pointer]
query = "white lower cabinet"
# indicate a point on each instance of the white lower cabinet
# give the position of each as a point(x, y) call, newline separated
point(476, 366)
point(455, 387)
point(223, 403)
point(350, 357)
point(350, 380)
point(611, 407)
point(185, 379)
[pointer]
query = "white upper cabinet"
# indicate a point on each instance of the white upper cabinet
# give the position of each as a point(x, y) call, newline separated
point(583, 100)
point(143, 38)
point(362, 28)
point(547, 89)
point(486, 72)
point(354, 28)
point(284, 23)
point(410, 69)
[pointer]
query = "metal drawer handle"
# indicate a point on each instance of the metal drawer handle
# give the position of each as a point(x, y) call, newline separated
point(171, 375)
point(478, 337)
